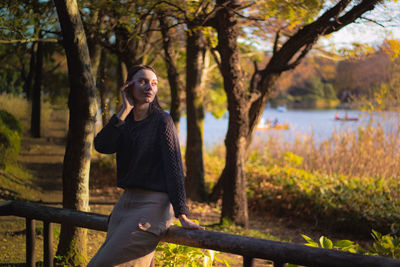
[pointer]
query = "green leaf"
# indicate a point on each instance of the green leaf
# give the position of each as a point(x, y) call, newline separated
point(325, 242)
point(308, 239)
point(343, 244)
point(376, 235)
point(310, 242)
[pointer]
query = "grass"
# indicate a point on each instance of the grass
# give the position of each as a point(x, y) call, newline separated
point(17, 183)
point(16, 105)
point(20, 107)
point(370, 151)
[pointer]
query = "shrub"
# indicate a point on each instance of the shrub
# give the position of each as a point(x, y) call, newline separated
point(179, 255)
point(344, 202)
point(103, 172)
point(18, 106)
point(10, 142)
point(10, 121)
point(383, 245)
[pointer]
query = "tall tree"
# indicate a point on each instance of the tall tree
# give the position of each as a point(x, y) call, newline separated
point(193, 15)
point(234, 202)
point(245, 105)
point(101, 84)
point(37, 93)
point(25, 23)
point(82, 107)
point(175, 84)
point(195, 59)
point(125, 29)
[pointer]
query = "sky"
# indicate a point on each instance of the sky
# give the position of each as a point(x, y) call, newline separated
point(362, 31)
point(369, 32)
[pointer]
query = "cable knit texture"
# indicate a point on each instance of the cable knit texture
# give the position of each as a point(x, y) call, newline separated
point(148, 155)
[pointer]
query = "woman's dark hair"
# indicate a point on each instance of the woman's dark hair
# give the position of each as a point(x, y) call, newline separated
point(132, 71)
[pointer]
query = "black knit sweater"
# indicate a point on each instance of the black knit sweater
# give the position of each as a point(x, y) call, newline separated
point(148, 155)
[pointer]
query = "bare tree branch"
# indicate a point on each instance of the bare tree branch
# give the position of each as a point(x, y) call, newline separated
point(199, 8)
point(255, 78)
point(143, 16)
point(276, 41)
point(30, 40)
point(246, 6)
point(178, 8)
point(216, 57)
point(295, 63)
point(351, 16)
point(373, 21)
point(303, 53)
point(248, 17)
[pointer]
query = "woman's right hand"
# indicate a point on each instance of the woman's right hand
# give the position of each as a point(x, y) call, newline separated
point(127, 102)
point(188, 224)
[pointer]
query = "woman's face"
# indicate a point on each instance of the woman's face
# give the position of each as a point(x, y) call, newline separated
point(144, 88)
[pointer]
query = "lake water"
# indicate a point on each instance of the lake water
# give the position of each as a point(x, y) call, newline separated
point(321, 123)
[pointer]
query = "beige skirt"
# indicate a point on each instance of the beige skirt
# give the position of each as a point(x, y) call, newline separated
point(137, 222)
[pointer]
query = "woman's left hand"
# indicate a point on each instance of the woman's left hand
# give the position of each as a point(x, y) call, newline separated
point(188, 224)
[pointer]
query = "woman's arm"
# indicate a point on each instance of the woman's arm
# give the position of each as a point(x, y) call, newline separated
point(106, 140)
point(172, 163)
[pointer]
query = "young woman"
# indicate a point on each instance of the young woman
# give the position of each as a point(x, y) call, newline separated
point(149, 169)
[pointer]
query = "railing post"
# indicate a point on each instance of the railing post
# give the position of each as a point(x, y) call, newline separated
point(30, 242)
point(48, 244)
point(248, 261)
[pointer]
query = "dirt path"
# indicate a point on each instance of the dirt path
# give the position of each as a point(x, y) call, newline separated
point(44, 160)
point(44, 156)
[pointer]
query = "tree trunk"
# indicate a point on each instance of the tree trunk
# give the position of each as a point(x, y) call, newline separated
point(82, 106)
point(258, 106)
point(128, 47)
point(234, 200)
point(175, 84)
point(95, 49)
point(95, 56)
point(105, 109)
point(122, 73)
point(31, 74)
point(195, 52)
point(37, 93)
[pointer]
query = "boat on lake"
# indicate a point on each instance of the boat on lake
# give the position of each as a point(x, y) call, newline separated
point(265, 125)
point(345, 118)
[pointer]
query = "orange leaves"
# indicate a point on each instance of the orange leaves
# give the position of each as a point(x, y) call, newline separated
point(392, 48)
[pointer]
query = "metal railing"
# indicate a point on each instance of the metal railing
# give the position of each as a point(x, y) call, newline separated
point(248, 247)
